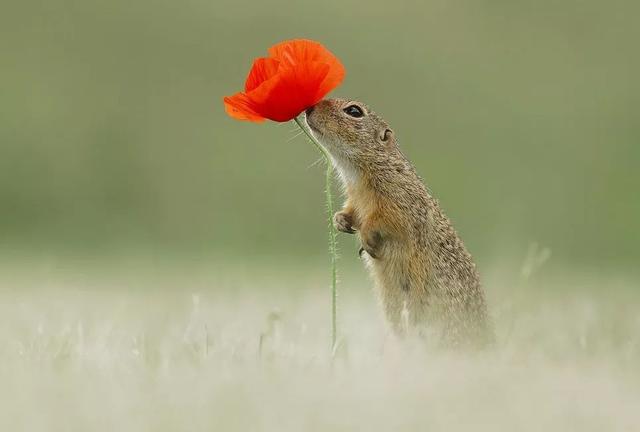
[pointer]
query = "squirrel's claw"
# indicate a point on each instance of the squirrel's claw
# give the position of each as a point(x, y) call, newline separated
point(343, 222)
point(369, 252)
point(371, 244)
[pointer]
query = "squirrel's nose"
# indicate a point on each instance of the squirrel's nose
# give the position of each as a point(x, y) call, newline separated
point(309, 110)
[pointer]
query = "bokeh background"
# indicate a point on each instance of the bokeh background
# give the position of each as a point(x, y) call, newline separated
point(164, 267)
point(521, 116)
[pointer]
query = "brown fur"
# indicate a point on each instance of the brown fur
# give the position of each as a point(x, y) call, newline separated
point(426, 279)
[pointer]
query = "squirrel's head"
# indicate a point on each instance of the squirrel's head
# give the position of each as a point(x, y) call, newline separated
point(354, 135)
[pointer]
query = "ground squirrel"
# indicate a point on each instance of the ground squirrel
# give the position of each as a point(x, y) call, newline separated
point(426, 280)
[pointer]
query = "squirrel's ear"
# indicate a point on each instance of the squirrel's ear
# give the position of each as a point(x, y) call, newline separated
point(385, 135)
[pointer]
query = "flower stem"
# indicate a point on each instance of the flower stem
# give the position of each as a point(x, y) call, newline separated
point(333, 249)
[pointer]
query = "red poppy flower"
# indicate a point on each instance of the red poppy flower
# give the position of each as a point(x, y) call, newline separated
point(296, 75)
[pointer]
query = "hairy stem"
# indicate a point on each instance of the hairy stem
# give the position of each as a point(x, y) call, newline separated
point(333, 252)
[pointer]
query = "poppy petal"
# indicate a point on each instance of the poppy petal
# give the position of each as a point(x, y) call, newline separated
point(294, 90)
point(262, 70)
point(298, 50)
point(240, 107)
point(303, 50)
point(332, 80)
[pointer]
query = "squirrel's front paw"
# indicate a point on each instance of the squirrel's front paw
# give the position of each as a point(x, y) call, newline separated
point(371, 244)
point(343, 222)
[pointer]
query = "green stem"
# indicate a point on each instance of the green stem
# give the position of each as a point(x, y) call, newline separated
point(333, 249)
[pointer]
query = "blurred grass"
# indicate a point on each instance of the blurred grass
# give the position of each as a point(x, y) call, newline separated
point(249, 350)
point(521, 116)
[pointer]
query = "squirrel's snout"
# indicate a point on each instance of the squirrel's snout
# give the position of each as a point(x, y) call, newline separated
point(309, 110)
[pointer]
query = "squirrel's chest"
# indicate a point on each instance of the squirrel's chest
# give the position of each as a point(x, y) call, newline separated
point(365, 204)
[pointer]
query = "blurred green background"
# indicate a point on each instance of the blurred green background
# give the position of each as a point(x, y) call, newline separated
point(522, 116)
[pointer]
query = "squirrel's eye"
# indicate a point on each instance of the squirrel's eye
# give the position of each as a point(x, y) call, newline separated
point(354, 111)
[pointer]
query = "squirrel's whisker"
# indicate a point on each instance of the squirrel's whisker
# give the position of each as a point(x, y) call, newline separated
point(295, 136)
point(316, 163)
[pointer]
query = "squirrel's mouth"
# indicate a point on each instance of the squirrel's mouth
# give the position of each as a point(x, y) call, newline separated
point(309, 122)
point(318, 134)
point(321, 136)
